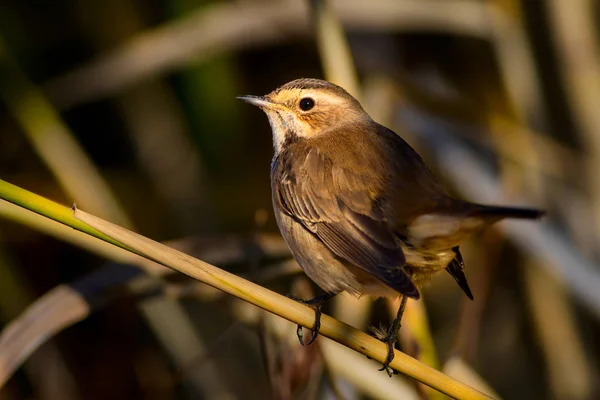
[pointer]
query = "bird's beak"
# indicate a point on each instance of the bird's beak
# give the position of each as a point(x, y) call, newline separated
point(259, 101)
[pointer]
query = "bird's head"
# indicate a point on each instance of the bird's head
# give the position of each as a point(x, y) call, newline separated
point(304, 108)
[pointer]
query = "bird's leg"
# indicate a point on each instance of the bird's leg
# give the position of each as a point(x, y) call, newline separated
point(392, 334)
point(316, 304)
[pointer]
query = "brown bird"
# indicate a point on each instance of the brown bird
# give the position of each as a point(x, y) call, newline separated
point(357, 206)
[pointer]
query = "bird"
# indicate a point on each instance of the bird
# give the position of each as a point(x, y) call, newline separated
point(358, 207)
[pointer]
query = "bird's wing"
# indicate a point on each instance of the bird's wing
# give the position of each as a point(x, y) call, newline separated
point(335, 204)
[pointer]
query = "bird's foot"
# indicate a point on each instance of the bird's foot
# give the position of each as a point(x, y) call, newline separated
point(390, 337)
point(390, 341)
point(316, 304)
point(387, 336)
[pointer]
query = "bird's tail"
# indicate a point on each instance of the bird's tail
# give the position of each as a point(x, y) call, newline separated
point(495, 213)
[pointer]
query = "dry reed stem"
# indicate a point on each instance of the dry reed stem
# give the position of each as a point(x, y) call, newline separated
point(59, 308)
point(459, 369)
point(334, 50)
point(516, 61)
point(567, 369)
point(572, 24)
point(280, 305)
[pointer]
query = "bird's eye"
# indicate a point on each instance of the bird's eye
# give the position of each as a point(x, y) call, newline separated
point(306, 104)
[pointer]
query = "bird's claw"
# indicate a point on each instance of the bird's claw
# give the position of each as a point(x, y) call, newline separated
point(390, 341)
point(314, 330)
point(317, 306)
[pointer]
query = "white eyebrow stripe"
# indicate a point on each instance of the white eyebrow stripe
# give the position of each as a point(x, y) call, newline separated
point(322, 97)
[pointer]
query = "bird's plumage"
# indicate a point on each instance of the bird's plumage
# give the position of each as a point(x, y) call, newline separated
point(334, 204)
point(356, 204)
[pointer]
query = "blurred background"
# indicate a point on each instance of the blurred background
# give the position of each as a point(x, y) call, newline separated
point(128, 108)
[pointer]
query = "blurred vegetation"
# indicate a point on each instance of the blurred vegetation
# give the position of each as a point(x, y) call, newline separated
point(128, 109)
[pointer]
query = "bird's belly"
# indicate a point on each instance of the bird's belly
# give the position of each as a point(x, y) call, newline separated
point(329, 272)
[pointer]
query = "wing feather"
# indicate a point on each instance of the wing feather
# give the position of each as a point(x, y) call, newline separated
point(335, 204)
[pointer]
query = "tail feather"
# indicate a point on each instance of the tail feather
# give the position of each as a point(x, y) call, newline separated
point(456, 270)
point(500, 212)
